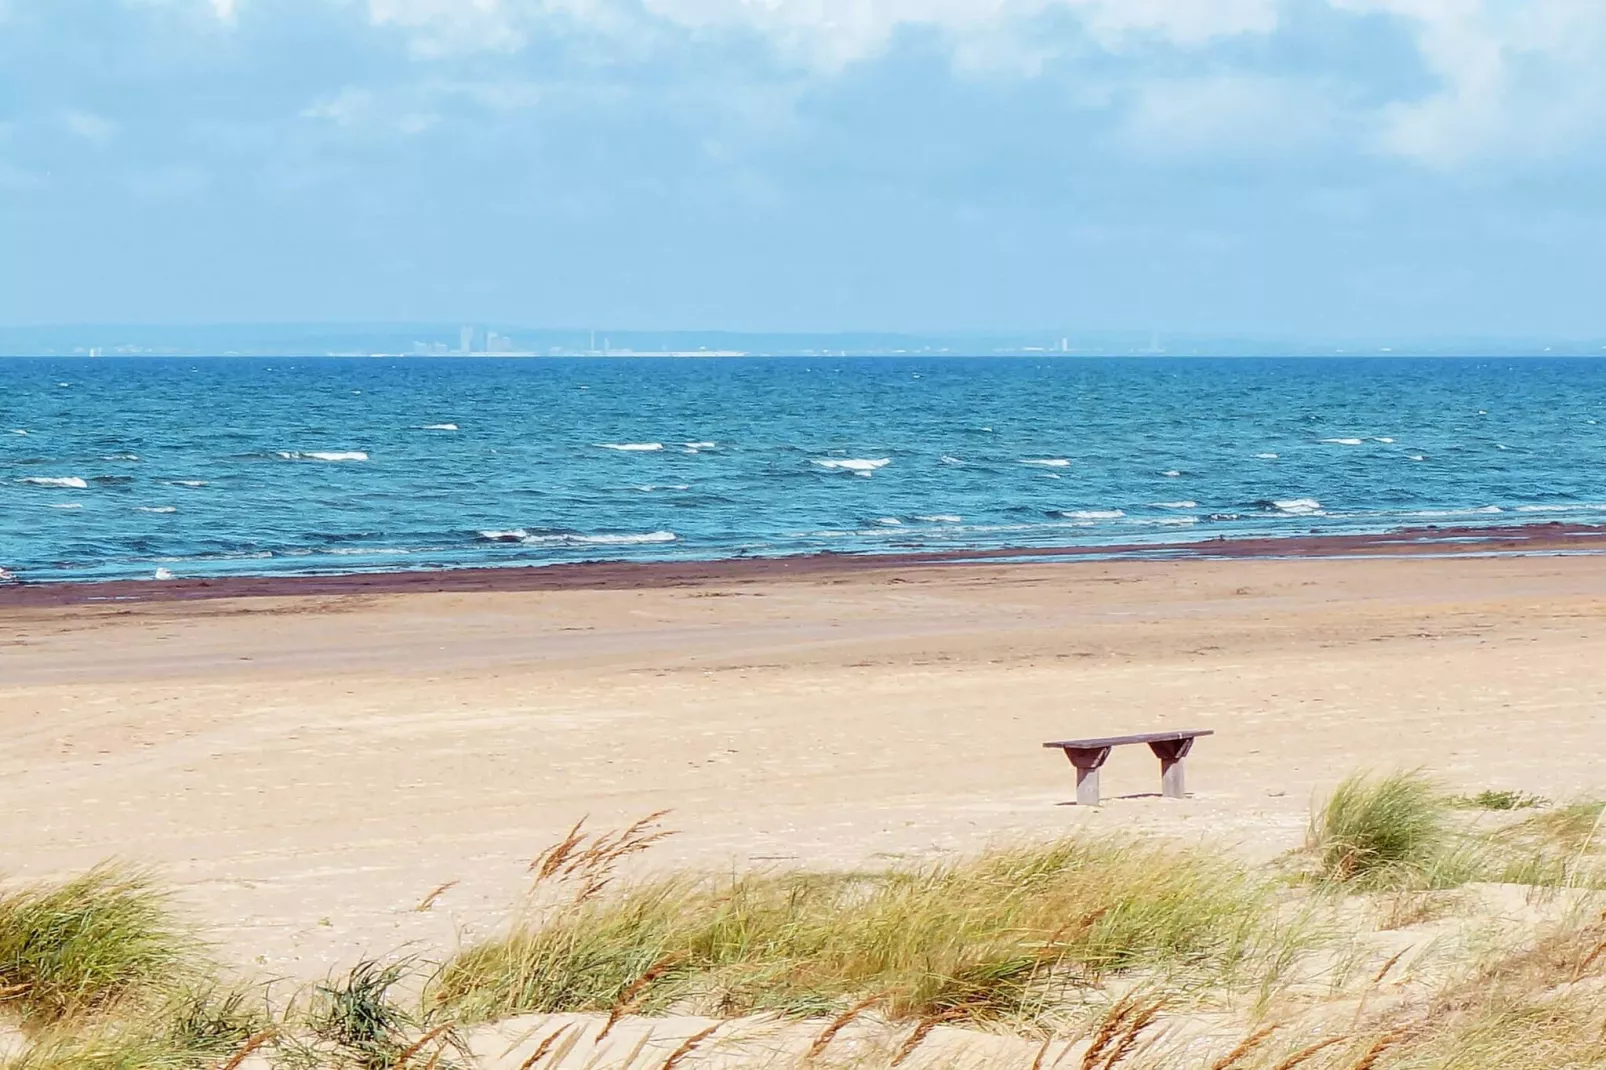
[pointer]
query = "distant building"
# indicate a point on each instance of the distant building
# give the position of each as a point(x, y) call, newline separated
point(465, 340)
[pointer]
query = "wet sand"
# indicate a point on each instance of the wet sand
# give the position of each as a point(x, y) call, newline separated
point(307, 764)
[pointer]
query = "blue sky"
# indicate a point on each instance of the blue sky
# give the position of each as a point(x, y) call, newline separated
point(1309, 167)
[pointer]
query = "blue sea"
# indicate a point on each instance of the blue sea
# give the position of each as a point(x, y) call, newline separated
point(115, 468)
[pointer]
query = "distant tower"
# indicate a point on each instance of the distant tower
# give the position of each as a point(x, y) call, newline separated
point(465, 340)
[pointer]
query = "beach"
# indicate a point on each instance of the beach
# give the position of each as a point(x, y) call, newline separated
point(305, 768)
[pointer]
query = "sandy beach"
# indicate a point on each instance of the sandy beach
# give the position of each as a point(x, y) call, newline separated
point(305, 769)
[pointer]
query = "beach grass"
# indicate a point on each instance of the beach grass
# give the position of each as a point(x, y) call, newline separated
point(998, 936)
point(1090, 951)
point(73, 947)
point(1383, 830)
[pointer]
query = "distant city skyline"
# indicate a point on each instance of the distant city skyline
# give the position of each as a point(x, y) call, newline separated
point(1266, 168)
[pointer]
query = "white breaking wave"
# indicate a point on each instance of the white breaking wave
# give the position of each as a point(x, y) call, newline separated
point(650, 487)
point(156, 509)
point(1382, 439)
point(857, 465)
point(121, 457)
point(163, 574)
point(1171, 473)
point(18, 431)
point(1176, 505)
point(947, 459)
point(1344, 441)
point(1298, 506)
point(70, 482)
point(940, 518)
point(631, 447)
point(1416, 457)
point(1267, 456)
point(65, 505)
point(889, 521)
point(440, 427)
point(188, 482)
point(324, 455)
point(519, 535)
point(698, 447)
point(1048, 462)
point(1430, 513)
point(1091, 514)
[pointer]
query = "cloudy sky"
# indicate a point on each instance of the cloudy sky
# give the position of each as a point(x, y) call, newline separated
point(1292, 167)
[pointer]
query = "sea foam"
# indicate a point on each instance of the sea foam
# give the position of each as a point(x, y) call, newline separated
point(1296, 506)
point(324, 455)
point(68, 482)
point(1091, 514)
point(1048, 462)
point(631, 447)
point(859, 466)
point(439, 427)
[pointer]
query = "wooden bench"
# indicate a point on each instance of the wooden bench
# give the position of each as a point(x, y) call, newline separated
point(1088, 754)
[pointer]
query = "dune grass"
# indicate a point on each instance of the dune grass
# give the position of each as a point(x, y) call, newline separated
point(1387, 830)
point(1004, 935)
point(71, 948)
point(188, 1030)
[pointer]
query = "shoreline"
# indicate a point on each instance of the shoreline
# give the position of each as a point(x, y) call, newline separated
point(1544, 538)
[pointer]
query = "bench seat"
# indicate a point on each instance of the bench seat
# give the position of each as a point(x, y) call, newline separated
point(1087, 755)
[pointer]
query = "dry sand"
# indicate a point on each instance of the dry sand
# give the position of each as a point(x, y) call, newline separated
point(306, 769)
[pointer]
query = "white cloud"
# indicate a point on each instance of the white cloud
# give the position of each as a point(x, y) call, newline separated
point(1231, 115)
point(1518, 79)
point(89, 126)
point(828, 34)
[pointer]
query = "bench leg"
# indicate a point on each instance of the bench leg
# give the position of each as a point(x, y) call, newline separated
point(1171, 752)
point(1087, 764)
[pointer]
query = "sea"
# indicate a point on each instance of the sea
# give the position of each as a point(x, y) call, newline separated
point(116, 468)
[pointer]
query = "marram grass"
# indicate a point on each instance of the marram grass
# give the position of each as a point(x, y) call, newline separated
point(75, 947)
point(1004, 935)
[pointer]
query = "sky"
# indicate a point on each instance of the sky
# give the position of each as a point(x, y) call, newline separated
point(1301, 168)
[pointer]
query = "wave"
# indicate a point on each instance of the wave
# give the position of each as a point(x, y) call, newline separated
point(1383, 439)
point(1581, 507)
point(889, 521)
point(18, 431)
point(1171, 473)
point(1089, 514)
point(1048, 462)
point(947, 459)
point(650, 487)
point(121, 457)
point(631, 447)
point(698, 447)
point(1344, 441)
point(1431, 514)
point(1176, 505)
point(68, 482)
point(439, 427)
point(66, 505)
point(549, 538)
point(1292, 506)
point(1416, 457)
point(1267, 456)
point(940, 518)
point(188, 482)
point(857, 465)
point(156, 509)
point(324, 455)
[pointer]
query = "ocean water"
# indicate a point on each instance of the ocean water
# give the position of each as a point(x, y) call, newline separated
point(115, 468)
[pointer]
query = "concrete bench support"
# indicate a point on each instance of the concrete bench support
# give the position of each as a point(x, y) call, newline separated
point(1087, 755)
point(1087, 761)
